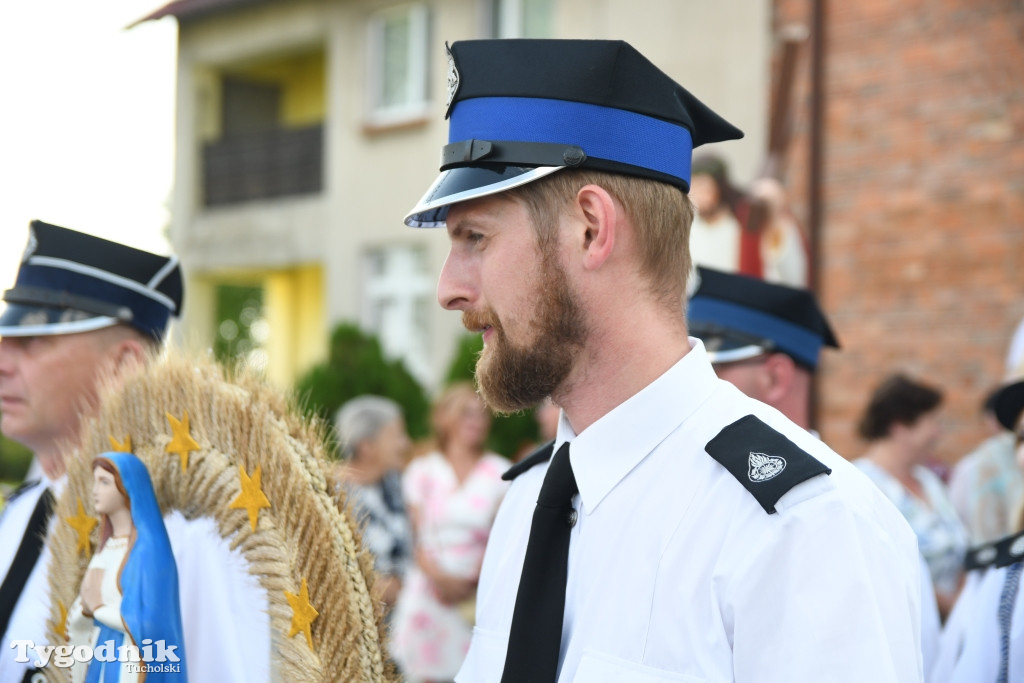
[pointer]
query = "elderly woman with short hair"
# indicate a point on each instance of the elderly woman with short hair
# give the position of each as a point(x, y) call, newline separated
point(371, 433)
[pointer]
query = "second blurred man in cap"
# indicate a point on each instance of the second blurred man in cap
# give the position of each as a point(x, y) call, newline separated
point(762, 337)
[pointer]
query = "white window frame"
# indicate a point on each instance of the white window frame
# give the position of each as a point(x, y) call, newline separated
point(407, 287)
point(415, 104)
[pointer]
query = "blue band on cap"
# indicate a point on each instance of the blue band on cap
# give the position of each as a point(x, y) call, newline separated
point(148, 315)
point(603, 133)
point(797, 341)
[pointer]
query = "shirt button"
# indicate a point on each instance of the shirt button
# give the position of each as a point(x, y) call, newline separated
point(572, 517)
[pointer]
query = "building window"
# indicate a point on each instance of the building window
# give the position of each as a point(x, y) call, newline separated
point(398, 60)
point(398, 295)
point(522, 18)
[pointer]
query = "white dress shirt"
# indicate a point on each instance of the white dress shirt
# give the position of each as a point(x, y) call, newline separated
point(676, 573)
point(955, 630)
point(28, 621)
point(978, 657)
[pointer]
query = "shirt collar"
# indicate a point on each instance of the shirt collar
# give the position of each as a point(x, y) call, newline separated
point(610, 448)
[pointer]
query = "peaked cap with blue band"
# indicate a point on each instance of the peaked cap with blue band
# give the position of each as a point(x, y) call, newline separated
point(72, 282)
point(522, 109)
point(740, 317)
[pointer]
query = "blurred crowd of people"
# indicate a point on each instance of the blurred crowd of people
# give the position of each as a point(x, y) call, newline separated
point(427, 508)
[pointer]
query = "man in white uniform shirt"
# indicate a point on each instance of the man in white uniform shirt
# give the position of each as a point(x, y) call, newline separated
point(766, 339)
point(83, 306)
point(680, 530)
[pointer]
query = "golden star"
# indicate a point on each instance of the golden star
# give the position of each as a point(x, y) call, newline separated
point(303, 614)
point(62, 623)
point(251, 498)
point(119, 447)
point(182, 443)
point(84, 525)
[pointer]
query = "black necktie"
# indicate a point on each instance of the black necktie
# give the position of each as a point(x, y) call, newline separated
point(536, 635)
point(25, 559)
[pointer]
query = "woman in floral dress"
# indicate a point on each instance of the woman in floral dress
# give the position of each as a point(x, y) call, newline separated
point(452, 494)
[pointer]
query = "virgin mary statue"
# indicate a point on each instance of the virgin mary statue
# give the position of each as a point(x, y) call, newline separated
point(127, 609)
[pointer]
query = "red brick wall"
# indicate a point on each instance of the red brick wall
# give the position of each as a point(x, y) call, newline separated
point(922, 240)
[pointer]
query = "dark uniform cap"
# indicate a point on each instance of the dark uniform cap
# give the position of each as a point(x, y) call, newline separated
point(740, 317)
point(71, 282)
point(522, 109)
point(1008, 404)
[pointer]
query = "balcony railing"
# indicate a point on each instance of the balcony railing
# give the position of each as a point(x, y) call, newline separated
point(276, 163)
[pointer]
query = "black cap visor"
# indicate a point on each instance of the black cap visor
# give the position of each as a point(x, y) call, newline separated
point(469, 182)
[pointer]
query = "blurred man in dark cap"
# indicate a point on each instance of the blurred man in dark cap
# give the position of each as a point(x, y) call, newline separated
point(82, 307)
point(764, 338)
point(679, 528)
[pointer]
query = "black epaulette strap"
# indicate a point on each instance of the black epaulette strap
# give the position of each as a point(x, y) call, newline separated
point(1001, 553)
point(982, 557)
point(25, 486)
point(1010, 550)
point(763, 460)
point(542, 454)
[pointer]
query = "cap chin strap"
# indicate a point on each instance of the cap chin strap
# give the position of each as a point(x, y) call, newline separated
point(512, 153)
point(54, 329)
point(40, 296)
point(736, 355)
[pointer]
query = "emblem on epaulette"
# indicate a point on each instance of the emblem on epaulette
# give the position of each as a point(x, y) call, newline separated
point(1008, 550)
point(986, 555)
point(30, 248)
point(453, 79)
point(767, 477)
point(762, 467)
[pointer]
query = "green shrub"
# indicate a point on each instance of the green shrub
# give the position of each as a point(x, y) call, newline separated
point(356, 366)
point(14, 460)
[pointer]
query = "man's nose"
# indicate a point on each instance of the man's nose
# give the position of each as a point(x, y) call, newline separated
point(6, 356)
point(453, 287)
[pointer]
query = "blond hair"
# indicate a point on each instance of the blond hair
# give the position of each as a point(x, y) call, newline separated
point(661, 215)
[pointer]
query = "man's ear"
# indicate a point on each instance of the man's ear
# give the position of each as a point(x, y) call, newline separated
point(600, 215)
point(129, 353)
point(780, 369)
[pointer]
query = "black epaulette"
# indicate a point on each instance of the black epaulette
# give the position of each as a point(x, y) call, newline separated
point(20, 490)
point(1010, 550)
point(763, 460)
point(982, 557)
point(542, 454)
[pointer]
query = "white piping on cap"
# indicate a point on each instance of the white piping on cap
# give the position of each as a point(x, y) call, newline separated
point(100, 274)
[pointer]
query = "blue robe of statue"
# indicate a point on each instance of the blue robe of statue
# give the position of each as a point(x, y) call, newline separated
point(150, 607)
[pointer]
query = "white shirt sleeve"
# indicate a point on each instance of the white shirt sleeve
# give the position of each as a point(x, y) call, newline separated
point(931, 622)
point(826, 596)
